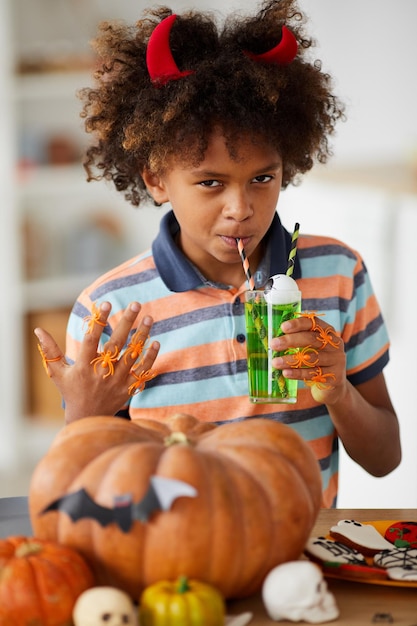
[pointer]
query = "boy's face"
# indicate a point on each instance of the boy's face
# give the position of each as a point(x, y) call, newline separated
point(221, 199)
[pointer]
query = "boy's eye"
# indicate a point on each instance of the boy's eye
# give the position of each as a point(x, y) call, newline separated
point(262, 178)
point(210, 183)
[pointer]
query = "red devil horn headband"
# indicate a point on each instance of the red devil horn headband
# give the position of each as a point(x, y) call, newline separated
point(159, 60)
point(162, 67)
point(282, 54)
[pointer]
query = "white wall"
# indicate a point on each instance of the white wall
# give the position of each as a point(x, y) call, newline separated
point(371, 48)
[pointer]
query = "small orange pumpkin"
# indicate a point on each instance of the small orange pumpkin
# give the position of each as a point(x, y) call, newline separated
point(40, 582)
point(258, 494)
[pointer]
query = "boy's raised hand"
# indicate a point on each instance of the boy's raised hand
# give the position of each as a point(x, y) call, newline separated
point(100, 383)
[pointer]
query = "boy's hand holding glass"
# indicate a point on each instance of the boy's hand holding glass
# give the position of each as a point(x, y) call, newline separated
point(319, 361)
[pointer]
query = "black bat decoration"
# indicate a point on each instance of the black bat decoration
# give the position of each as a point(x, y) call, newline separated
point(161, 494)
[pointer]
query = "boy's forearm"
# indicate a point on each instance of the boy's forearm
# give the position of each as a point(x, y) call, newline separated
point(369, 433)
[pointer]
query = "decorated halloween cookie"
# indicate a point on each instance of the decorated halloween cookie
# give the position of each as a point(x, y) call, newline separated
point(337, 558)
point(380, 552)
point(402, 534)
point(326, 550)
point(362, 537)
point(399, 563)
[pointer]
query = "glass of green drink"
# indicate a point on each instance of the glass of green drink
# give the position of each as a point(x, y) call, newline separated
point(265, 311)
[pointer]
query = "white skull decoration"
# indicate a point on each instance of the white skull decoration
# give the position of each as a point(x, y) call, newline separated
point(104, 606)
point(296, 591)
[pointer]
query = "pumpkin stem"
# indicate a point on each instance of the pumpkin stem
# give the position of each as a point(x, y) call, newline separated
point(183, 585)
point(175, 438)
point(27, 549)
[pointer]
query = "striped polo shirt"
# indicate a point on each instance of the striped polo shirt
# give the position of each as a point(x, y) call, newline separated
point(202, 368)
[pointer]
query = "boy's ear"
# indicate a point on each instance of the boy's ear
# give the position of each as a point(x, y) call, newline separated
point(155, 186)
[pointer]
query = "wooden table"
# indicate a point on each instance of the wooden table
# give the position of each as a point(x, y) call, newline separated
point(359, 604)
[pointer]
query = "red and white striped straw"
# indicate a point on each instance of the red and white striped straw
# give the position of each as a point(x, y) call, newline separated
point(245, 263)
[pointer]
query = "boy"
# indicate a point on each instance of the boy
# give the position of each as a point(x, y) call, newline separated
point(217, 122)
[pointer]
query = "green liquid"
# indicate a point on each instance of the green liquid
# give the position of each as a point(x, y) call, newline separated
point(267, 384)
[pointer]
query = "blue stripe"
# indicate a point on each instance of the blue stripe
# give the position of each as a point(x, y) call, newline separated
point(199, 327)
point(321, 265)
point(193, 390)
point(124, 283)
point(326, 250)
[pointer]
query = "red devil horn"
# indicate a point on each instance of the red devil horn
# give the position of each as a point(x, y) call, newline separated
point(282, 54)
point(159, 60)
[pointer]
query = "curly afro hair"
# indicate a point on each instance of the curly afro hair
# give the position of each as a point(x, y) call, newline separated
point(138, 125)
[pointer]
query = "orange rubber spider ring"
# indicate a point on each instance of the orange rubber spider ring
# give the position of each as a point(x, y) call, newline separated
point(134, 348)
point(311, 316)
point(45, 361)
point(320, 380)
point(141, 379)
point(92, 319)
point(327, 336)
point(302, 358)
point(106, 360)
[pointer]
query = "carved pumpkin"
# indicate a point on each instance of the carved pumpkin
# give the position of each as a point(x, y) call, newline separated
point(258, 494)
point(40, 582)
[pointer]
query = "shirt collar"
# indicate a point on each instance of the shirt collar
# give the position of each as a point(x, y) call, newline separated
point(179, 274)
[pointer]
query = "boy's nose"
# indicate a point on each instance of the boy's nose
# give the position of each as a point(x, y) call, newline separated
point(238, 206)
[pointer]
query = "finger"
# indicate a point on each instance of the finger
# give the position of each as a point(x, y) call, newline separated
point(324, 334)
point(322, 378)
point(304, 321)
point(124, 325)
point(138, 357)
point(137, 346)
point(305, 359)
point(143, 372)
point(150, 356)
point(308, 330)
point(327, 336)
point(52, 356)
point(94, 325)
point(311, 375)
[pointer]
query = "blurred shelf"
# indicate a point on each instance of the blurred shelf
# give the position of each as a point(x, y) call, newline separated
point(64, 181)
point(54, 293)
point(44, 180)
point(44, 86)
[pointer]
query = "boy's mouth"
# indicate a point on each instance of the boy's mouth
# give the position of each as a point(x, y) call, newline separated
point(232, 241)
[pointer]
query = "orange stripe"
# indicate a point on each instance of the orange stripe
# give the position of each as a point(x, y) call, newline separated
point(325, 287)
point(200, 356)
point(127, 268)
point(206, 411)
point(322, 446)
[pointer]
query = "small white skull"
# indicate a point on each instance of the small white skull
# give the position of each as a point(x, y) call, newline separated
point(104, 606)
point(296, 591)
point(281, 289)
